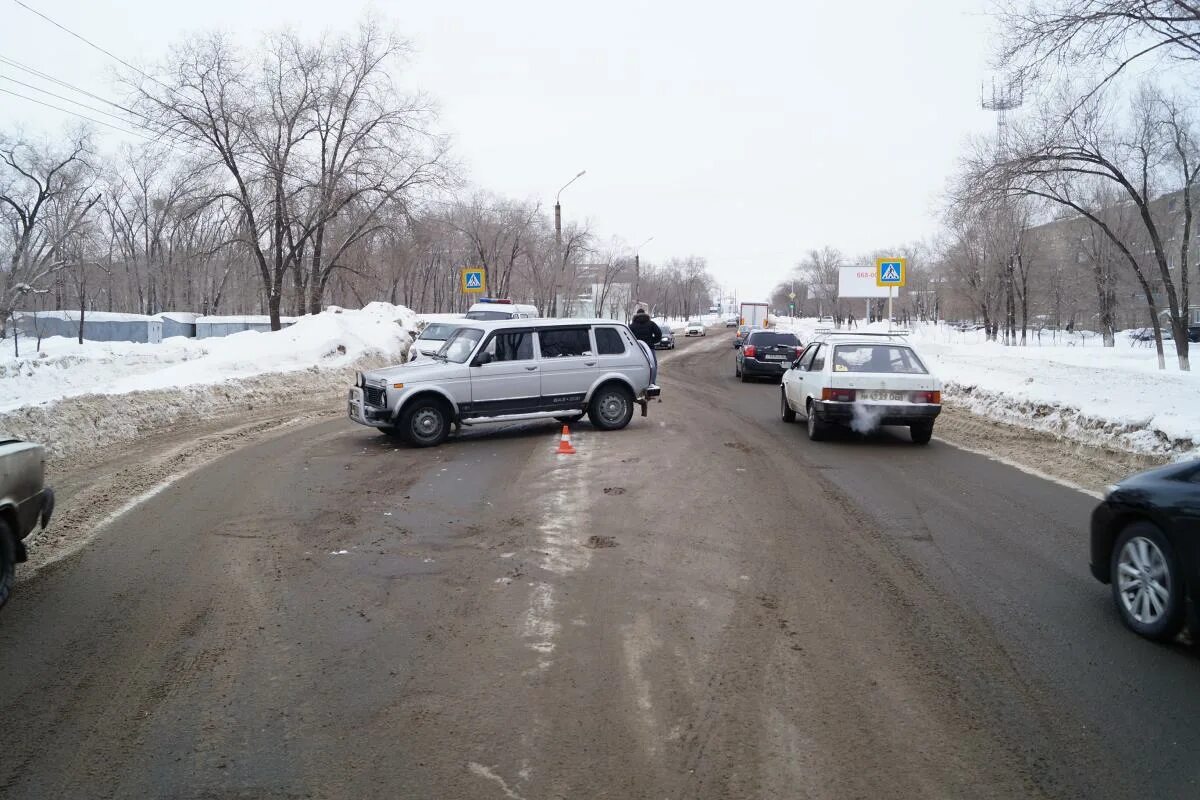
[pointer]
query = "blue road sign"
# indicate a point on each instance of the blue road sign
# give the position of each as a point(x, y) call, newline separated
point(889, 272)
point(473, 280)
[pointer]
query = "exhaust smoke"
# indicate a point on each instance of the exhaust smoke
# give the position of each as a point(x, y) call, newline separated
point(866, 418)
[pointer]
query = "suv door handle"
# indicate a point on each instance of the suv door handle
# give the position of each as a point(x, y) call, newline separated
point(530, 369)
point(589, 363)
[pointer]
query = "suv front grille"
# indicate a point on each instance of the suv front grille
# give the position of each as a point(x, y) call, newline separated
point(374, 396)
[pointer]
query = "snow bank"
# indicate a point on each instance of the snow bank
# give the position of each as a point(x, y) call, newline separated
point(87, 383)
point(1068, 385)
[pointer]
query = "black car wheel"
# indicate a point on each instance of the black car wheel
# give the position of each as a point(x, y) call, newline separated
point(611, 408)
point(424, 423)
point(1147, 582)
point(921, 432)
point(818, 430)
point(8, 562)
point(785, 411)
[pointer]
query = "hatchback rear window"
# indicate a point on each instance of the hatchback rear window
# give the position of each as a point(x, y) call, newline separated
point(765, 339)
point(879, 358)
point(608, 342)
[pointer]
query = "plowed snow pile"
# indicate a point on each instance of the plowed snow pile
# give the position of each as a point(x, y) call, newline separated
point(71, 396)
point(1069, 385)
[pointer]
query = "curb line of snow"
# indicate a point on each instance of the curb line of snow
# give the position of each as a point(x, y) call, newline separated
point(1068, 422)
point(85, 423)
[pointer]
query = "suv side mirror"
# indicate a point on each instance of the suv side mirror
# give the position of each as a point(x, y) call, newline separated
point(482, 358)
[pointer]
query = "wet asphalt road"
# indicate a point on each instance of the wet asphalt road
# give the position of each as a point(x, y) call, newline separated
point(703, 605)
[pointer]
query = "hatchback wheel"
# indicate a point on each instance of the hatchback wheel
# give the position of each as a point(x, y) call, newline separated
point(817, 429)
point(785, 410)
point(921, 432)
point(1147, 582)
point(611, 408)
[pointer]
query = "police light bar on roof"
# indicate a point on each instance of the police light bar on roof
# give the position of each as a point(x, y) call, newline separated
point(504, 301)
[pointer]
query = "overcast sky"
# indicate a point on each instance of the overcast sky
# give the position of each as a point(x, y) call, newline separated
point(743, 132)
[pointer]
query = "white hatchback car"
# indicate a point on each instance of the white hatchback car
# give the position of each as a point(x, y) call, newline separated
point(861, 380)
point(510, 370)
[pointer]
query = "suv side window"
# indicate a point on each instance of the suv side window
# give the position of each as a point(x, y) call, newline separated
point(608, 342)
point(565, 342)
point(515, 346)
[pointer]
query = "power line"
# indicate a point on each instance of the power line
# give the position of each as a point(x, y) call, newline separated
point(87, 41)
point(75, 113)
point(12, 62)
point(62, 97)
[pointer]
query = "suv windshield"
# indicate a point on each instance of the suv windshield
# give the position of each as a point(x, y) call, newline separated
point(486, 315)
point(460, 345)
point(438, 330)
point(879, 358)
point(764, 339)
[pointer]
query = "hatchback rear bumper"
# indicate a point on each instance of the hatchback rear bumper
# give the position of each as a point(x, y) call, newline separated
point(887, 413)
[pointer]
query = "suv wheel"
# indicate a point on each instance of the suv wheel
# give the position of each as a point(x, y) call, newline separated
point(1147, 583)
point(785, 410)
point(8, 562)
point(611, 408)
point(425, 423)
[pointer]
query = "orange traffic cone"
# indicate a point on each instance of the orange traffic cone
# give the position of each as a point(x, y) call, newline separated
point(564, 444)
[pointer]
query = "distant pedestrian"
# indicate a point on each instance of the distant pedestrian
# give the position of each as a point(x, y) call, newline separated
point(645, 330)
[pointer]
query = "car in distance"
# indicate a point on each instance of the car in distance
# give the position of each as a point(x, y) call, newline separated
point(766, 354)
point(667, 342)
point(695, 327)
point(863, 381)
point(740, 335)
point(25, 503)
point(431, 339)
point(496, 308)
point(732, 322)
point(510, 370)
point(1145, 543)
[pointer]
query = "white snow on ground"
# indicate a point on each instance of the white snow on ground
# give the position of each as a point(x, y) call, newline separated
point(62, 368)
point(1069, 385)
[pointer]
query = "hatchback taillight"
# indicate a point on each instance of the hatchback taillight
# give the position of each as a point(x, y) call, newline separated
point(748, 351)
point(927, 397)
point(838, 395)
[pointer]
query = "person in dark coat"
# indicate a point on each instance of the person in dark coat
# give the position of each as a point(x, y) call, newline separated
point(645, 330)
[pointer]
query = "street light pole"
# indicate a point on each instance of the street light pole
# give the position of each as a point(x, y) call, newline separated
point(558, 234)
point(637, 268)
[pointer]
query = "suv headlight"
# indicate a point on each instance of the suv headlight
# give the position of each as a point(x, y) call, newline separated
point(358, 379)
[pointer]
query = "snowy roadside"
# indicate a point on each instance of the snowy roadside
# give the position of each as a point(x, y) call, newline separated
point(1077, 390)
point(76, 398)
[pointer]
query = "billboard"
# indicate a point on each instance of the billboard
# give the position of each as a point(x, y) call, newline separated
point(859, 282)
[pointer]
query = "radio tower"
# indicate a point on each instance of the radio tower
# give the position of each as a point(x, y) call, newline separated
point(1003, 100)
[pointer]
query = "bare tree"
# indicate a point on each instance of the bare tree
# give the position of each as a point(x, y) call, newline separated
point(1066, 145)
point(1037, 36)
point(36, 179)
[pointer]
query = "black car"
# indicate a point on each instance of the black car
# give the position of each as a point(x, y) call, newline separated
point(667, 342)
point(1194, 333)
point(1146, 543)
point(766, 354)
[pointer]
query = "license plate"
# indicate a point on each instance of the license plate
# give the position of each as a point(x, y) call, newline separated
point(890, 397)
point(776, 358)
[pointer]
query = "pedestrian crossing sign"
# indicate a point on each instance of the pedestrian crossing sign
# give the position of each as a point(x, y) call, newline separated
point(890, 272)
point(473, 281)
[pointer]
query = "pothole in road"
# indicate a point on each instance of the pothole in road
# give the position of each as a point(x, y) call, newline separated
point(743, 448)
point(614, 490)
point(596, 542)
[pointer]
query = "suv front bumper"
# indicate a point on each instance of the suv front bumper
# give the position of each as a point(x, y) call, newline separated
point(362, 413)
